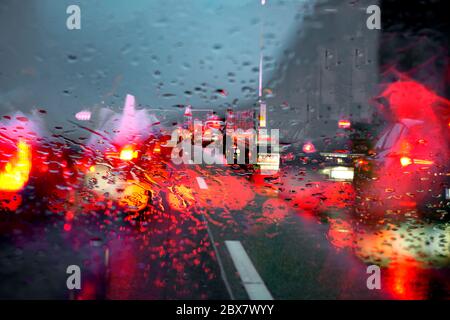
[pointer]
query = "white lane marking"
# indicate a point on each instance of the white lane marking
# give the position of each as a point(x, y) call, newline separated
point(219, 260)
point(253, 284)
point(202, 183)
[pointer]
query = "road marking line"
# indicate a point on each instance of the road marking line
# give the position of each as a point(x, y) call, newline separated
point(253, 284)
point(219, 260)
point(202, 183)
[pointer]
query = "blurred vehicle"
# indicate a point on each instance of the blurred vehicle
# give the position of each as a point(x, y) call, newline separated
point(411, 164)
point(240, 131)
point(204, 131)
point(341, 156)
point(129, 174)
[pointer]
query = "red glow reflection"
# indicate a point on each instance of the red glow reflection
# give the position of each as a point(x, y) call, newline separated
point(406, 281)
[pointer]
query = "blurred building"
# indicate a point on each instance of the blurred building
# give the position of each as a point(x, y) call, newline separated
point(329, 73)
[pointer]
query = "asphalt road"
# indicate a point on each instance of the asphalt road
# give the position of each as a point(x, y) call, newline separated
point(301, 234)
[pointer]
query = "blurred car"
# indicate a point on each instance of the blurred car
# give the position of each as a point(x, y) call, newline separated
point(411, 164)
point(341, 156)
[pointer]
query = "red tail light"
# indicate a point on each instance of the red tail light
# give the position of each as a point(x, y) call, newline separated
point(309, 148)
point(406, 161)
point(128, 153)
point(344, 124)
point(16, 173)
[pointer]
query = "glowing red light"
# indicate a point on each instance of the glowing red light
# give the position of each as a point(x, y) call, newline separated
point(215, 124)
point(128, 153)
point(309, 148)
point(424, 162)
point(16, 173)
point(405, 161)
point(344, 124)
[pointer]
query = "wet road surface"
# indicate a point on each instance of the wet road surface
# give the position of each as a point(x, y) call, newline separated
point(299, 230)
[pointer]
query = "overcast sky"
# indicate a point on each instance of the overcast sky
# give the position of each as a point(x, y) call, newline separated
point(165, 52)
